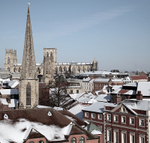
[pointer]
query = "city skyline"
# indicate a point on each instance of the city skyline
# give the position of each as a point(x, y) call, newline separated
point(115, 33)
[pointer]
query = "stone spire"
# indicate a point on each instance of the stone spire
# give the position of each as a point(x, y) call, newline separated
point(29, 85)
point(28, 62)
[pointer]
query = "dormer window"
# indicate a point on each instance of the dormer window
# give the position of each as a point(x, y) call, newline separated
point(5, 116)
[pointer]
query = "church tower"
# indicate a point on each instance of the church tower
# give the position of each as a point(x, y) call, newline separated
point(29, 85)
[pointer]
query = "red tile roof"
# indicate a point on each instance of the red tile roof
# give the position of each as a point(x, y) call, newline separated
point(138, 77)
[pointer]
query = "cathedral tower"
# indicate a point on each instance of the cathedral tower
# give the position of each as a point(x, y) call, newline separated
point(29, 85)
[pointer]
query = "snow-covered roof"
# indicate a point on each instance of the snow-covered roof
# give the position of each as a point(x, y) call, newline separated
point(144, 87)
point(137, 104)
point(102, 80)
point(77, 110)
point(13, 102)
point(103, 98)
point(98, 107)
point(131, 84)
point(8, 91)
point(87, 98)
point(13, 83)
point(86, 79)
point(76, 96)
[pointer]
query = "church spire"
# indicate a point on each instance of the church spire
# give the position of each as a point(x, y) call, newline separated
point(28, 62)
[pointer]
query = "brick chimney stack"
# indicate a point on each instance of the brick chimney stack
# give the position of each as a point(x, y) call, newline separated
point(139, 96)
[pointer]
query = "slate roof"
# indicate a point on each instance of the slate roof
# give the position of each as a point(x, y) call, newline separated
point(41, 119)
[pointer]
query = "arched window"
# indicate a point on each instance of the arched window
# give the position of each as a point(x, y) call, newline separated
point(79, 69)
point(28, 94)
point(39, 70)
point(19, 69)
point(41, 141)
point(47, 54)
point(65, 69)
point(8, 69)
point(73, 140)
point(51, 54)
point(8, 61)
point(60, 69)
point(14, 69)
point(82, 140)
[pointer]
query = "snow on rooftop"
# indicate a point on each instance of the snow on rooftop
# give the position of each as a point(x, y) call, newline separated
point(98, 107)
point(137, 104)
point(76, 96)
point(19, 131)
point(144, 87)
point(77, 110)
point(103, 98)
point(8, 91)
point(95, 132)
point(13, 83)
point(101, 80)
point(13, 102)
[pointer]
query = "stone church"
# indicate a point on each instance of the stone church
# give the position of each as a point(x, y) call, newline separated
point(49, 67)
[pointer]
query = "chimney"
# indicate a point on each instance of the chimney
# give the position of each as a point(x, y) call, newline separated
point(139, 96)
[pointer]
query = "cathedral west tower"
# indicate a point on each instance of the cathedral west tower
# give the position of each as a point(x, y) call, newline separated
point(29, 85)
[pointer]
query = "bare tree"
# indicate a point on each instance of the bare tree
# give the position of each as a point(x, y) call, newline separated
point(58, 92)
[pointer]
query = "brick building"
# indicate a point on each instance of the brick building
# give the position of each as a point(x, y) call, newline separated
point(127, 122)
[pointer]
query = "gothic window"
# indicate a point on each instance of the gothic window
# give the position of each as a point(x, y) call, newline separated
point(51, 54)
point(47, 54)
point(73, 140)
point(60, 69)
point(65, 69)
point(19, 69)
point(8, 60)
point(39, 70)
point(79, 69)
point(82, 140)
point(28, 94)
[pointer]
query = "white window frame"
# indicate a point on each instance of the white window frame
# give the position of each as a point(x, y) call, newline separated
point(93, 115)
point(122, 140)
point(99, 116)
point(131, 134)
point(122, 121)
point(86, 114)
point(140, 137)
point(114, 135)
point(130, 120)
point(140, 122)
point(108, 117)
point(115, 118)
point(109, 135)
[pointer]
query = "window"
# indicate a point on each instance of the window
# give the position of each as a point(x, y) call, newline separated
point(73, 140)
point(131, 120)
point(28, 94)
point(141, 139)
point(86, 114)
point(41, 141)
point(123, 137)
point(132, 138)
point(92, 115)
point(31, 142)
point(82, 140)
point(108, 117)
point(77, 91)
point(99, 116)
point(116, 137)
point(141, 122)
point(108, 135)
point(115, 118)
point(123, 109)
point(123, 119)
point(71, 91)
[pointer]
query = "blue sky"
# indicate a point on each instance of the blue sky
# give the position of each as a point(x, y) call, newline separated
point(115, 32)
